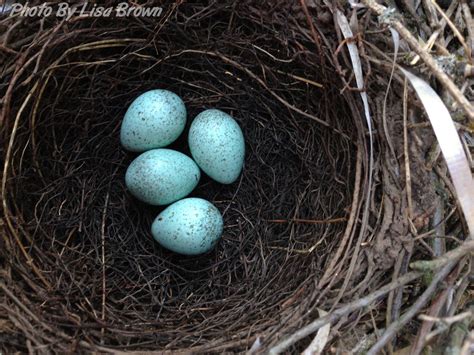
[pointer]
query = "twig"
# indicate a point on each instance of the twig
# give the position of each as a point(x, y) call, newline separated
point(430, 265)
point(438, 244)
point(397, 295)
point(453, 28)
point(435, 309)
point(447, 320)
point(315, 35)
point(467, 346)
point(429, 61)
point(459, 331)
point(102, 229)
point(405, 151)
point(309, 221)
point(410, 8)
point(414, 309)
point(430, 13)
point(300, 78)
point(470, 26)
point(335, 315)
point(320, 340)
point(434, 36)
point(389, 317)
point(458, 296)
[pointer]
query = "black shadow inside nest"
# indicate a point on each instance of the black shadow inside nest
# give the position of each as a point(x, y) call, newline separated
point(70, 191)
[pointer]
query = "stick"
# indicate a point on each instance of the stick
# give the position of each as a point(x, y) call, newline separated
point(102, 229)
point(351, 307)
point(429, 61)
point(407, 316)
point(429, 265)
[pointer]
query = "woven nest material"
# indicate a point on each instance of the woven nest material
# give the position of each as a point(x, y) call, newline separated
point(81, 271)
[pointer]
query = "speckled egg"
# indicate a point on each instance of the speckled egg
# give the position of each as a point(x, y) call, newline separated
point(153, 120)
point(217, 145)
point(191, 226)
point(162, 176)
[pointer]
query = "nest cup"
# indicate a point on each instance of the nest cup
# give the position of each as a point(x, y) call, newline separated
point(79, 245)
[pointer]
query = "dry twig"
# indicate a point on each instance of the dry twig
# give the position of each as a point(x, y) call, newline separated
point(429, 61)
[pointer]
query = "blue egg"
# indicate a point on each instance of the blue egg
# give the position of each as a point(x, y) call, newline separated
point(217, 145)
point(153, 120)
point(162, 176)
point(191, 226)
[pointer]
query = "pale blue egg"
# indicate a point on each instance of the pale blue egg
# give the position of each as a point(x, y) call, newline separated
point(162, 176)
point(191, 226)
point(153, 120)
point(217, 145)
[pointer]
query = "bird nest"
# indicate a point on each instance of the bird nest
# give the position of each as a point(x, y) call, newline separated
point(80, 268)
